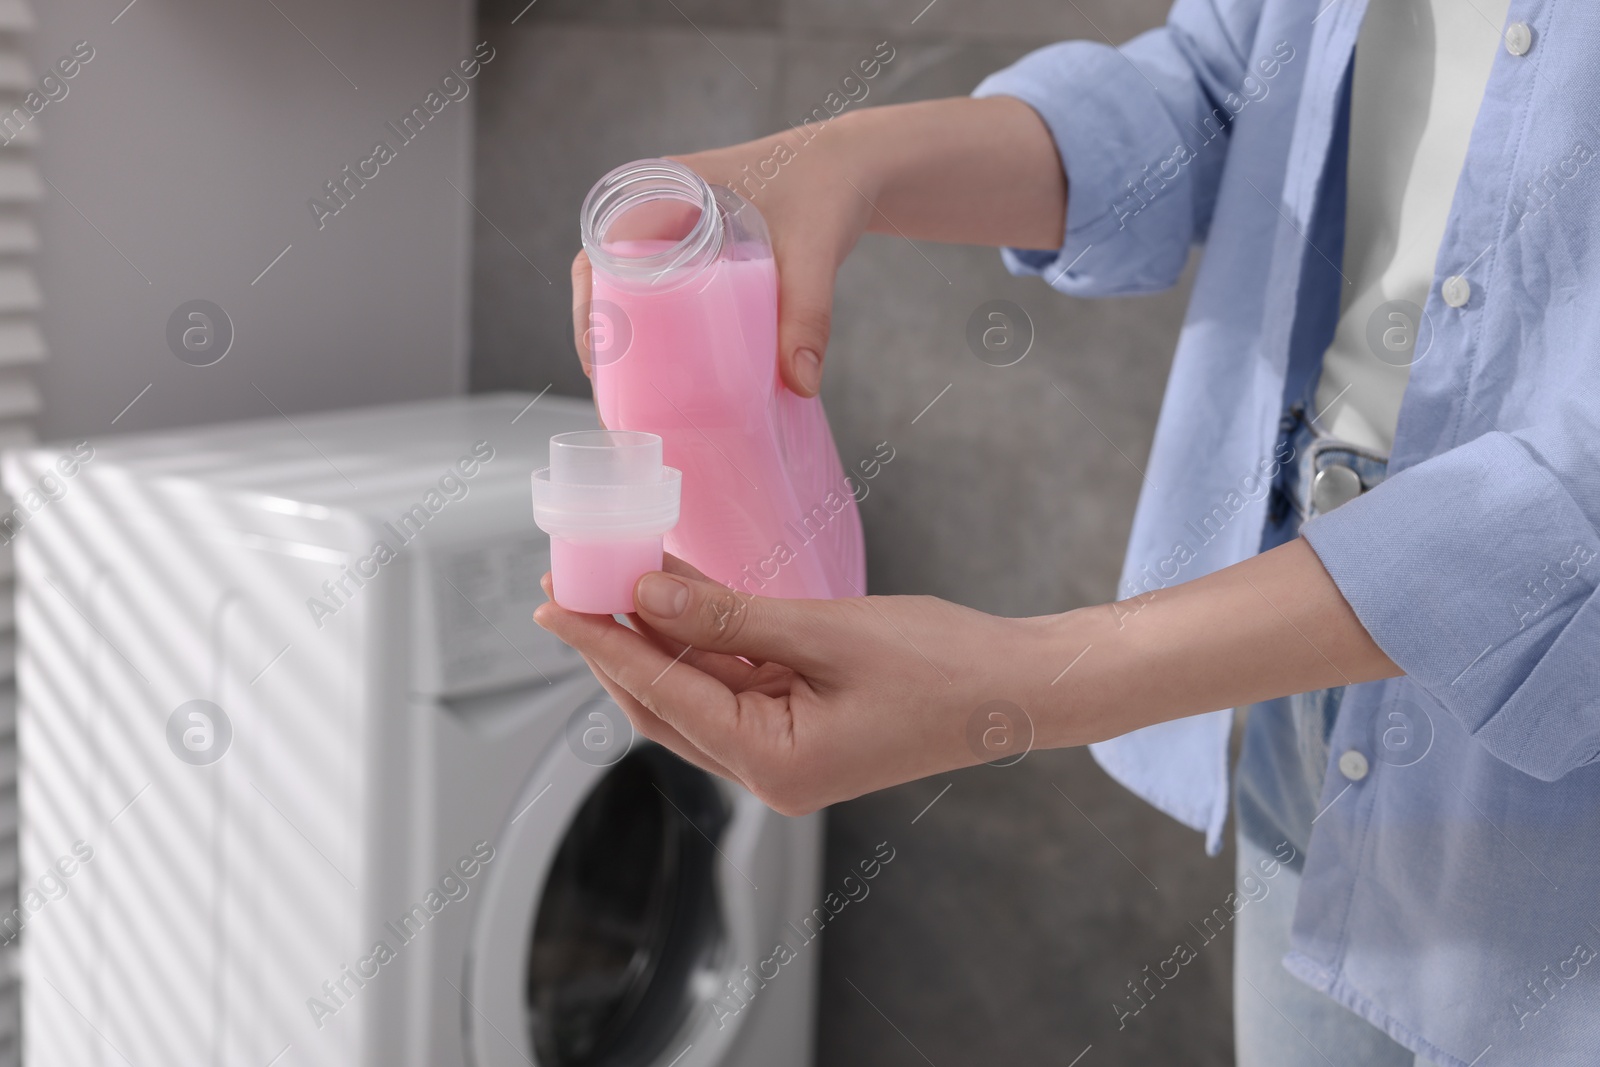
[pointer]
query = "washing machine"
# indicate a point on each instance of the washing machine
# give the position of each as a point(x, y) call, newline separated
point(302, 783)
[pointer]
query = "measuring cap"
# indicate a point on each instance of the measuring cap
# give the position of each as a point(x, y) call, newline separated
point(605, 485)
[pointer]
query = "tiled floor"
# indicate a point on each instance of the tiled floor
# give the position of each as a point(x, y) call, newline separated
point(1013, 916)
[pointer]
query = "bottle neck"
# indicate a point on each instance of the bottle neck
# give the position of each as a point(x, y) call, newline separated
point(651, 223)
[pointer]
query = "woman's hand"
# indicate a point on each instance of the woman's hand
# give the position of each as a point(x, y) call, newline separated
point(961, 170)
point(816, 208)
point(832, 698)
point(807, 702)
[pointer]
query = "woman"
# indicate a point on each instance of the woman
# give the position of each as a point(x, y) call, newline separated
point(1379, 483)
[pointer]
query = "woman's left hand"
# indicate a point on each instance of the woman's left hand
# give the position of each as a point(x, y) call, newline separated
point(806, 702)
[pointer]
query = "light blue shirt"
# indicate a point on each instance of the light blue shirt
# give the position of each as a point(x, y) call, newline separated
point(1451, 892)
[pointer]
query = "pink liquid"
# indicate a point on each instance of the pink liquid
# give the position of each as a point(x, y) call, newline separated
point(598, 577)
point(766, 506)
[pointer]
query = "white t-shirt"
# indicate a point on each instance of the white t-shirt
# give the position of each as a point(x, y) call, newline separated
point(1420, 71)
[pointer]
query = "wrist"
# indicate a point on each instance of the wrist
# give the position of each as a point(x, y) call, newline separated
point(856, 144)
point(1016, 697)
point(1065, 693)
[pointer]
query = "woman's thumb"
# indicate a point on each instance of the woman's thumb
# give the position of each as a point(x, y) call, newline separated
point(712, 617)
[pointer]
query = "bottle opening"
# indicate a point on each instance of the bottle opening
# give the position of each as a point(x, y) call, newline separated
point(646, 220)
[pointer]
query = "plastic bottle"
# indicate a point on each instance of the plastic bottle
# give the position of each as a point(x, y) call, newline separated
point(683, 324)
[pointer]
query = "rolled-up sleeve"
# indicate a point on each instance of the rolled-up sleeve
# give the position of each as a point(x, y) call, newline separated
point(1153, 107)
point(1475, 571)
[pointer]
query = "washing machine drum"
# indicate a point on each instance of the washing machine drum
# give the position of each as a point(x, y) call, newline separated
point(628, 914)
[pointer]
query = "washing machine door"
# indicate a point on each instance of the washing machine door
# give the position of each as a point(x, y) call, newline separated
point(622, 901)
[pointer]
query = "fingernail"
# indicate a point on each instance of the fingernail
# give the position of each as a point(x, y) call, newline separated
point(662, 595)
point(808, 369)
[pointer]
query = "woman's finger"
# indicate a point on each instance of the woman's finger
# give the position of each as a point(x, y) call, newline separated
point(799, 634)
point(805, 310)
point(699, 707)
point(582, 286)
point(731, 671)
point(650, 726)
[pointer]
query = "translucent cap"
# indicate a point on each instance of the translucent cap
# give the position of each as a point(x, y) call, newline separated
point(606, 484)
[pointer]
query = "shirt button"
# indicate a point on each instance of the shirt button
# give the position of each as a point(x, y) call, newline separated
point(1353, 765)
point(1519, 38)
point(1456, 291)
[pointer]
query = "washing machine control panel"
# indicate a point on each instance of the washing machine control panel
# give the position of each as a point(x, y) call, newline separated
point(475, 619)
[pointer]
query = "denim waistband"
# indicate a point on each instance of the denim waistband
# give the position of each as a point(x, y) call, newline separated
point(1304, 487)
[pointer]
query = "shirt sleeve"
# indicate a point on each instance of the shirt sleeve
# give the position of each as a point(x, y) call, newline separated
point(1143, 135)
point(1475, 571)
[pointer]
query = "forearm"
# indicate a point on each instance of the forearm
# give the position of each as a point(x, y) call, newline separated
point(959, 170)
point(1270, 626)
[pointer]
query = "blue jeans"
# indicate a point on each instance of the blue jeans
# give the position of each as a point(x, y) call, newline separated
point(1279, 1021)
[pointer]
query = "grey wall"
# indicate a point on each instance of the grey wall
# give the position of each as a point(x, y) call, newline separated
point(183, 159)
point(1010, 920)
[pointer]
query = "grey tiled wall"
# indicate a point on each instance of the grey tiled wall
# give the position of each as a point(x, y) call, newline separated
point(1012, 921)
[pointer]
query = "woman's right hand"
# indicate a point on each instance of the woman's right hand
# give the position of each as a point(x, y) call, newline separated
point(816, 206)
point(961, 170)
